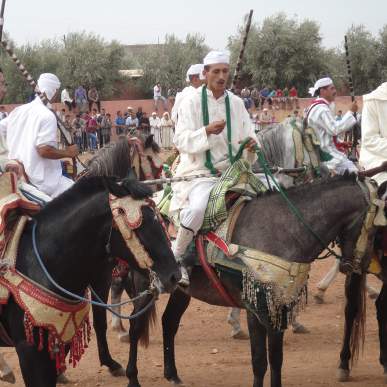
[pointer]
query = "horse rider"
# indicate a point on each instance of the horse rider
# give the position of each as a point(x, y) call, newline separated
point(373, 150)
point(195, 78)
point(205, 148)
point(320, 117)
point(31, 134)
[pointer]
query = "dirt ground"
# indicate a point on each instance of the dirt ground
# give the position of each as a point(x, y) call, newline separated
point(208, 357)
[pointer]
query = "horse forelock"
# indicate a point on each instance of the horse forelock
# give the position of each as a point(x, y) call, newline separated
point(112, 160)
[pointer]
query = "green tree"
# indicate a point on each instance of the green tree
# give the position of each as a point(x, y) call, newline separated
point(282, 52)
point(364, 53)
point(168, 63)
point(80, 58)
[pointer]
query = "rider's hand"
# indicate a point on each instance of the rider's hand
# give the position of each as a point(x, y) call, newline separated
point(215, 127)
point(72, 151)
point(250, 146)
point(354, 107)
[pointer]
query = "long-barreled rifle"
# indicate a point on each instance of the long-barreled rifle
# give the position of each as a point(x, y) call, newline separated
point(169, 180)
point(356, 127)
point(241, 52)
point(77, 164)
point(2, 18)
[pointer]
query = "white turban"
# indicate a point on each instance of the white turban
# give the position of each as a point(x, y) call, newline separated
point(48, 83)
point(323, 82)
point(215, 57)
point(196, 69)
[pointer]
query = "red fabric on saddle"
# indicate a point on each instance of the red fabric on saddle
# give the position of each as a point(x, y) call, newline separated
point(214, 279)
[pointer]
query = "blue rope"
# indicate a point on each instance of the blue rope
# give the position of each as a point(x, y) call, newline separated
point(76, 296)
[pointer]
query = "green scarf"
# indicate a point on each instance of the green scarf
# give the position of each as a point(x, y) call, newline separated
point(206, 121)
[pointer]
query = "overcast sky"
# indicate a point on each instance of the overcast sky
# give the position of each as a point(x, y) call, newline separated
point(137, 22)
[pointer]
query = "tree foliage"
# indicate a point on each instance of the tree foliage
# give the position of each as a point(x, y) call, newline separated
point(80, 58)
point(282, 52)
point(168, 62)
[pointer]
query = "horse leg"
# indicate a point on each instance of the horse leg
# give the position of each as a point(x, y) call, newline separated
point(234, 319)
point(352, 292)
point(258, 335)
point(100, 327)
point(323, 285)
point(117, 289)
point(381, 312)
point(276, 342)
point(139, 330)
point(36, 366)
point(177, 304)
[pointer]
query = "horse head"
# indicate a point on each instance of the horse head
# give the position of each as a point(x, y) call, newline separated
point(139, 234)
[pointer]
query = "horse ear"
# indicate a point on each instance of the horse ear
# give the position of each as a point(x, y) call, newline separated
point(149, 141)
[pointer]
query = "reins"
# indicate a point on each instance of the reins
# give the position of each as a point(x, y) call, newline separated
point(152, 291)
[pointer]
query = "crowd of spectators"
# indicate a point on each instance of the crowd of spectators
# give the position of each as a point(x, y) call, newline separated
point(272, 98)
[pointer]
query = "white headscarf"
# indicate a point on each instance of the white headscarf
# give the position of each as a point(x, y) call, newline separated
point(196, 69)
point(215, 57)
point(323, 82)
point(48, 83)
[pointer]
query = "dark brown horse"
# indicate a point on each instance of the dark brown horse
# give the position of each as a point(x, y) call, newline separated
point(333, 208)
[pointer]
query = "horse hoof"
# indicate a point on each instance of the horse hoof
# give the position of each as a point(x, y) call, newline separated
point(124, 337)
point(176, 381)
point(117, 373)
point(299, 329)
point(240, 336)
point(342, 375)
point(62, 379)
point(8, 377)
point(319, 298)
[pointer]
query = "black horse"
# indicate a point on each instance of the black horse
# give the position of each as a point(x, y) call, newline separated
point(72, 235)
point(333, 207)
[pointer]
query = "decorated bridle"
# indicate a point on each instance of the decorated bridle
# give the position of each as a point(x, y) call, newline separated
point(127, 217)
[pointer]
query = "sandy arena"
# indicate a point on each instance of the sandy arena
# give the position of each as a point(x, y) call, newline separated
point(208, 357)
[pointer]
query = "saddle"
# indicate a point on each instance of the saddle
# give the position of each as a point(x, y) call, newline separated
point(67, 322)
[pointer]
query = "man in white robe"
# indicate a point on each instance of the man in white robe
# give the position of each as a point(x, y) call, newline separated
point(155, 127)
point(321, 118)
point(31, 132)
point(195, 78)
point(373, 150)
point(193, 139)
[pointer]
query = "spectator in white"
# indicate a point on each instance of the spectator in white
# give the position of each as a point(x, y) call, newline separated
point(31, 131)
point(195, 78)
point(93, 97)
point(155, 127)
point(157, 95)
point(166, 131)
point(3, 113)
point(66, 100)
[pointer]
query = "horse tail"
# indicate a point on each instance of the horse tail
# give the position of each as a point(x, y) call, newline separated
point(150, 321)
point(357, 288)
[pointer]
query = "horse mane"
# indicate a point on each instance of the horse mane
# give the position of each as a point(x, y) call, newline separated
point(112, 160)
point(338, 179)
point(272, 143)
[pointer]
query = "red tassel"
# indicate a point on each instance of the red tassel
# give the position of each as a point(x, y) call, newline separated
point(41, 339)
point(29, 329)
